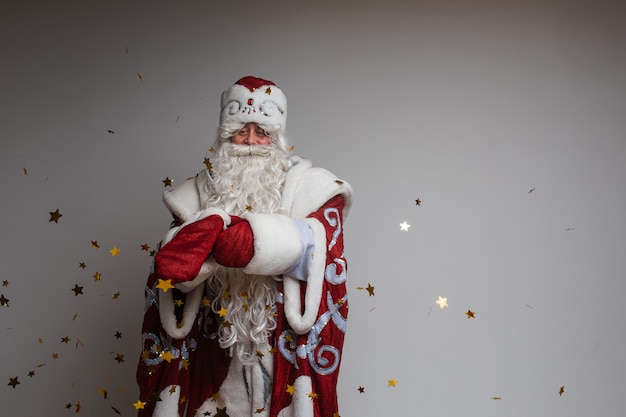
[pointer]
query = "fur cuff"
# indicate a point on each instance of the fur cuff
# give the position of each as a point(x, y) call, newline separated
point(277, 245)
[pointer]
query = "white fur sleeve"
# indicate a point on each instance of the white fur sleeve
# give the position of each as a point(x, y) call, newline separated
point(277, 243)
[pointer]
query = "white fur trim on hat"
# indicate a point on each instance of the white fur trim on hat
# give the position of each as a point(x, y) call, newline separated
point(254, 100)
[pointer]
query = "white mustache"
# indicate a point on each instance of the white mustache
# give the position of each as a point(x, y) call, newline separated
point(250, 150)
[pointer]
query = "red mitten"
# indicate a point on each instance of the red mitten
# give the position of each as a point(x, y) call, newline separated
point(181, 258)
point(234, 248)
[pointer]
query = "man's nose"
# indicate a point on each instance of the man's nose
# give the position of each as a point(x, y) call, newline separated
point(251, 138)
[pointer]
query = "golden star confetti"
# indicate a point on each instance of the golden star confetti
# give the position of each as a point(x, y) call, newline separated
point(222, 312)
point(167, 356)
point(259, 410)
point(55, 216)
point(77, 289)
point(291, 148)
point(94, 244)
point(470, 314)
point(65, 339)
point(5, 283)
point(339, 182)
point(116, 295)
point(115, 251)
point(25, 171)
point(313, 395)
point(370, 289)
point(145, 247)
point(392, 382)
point(442, 301)
point(207, 164)
point(361, 390)
point(404, 226)
point(165, 284)
point(54, 356)
point(97, 276)
point(40, 340)
point(167, 181)
point(4, 302)
point(212, 149)
point(496, 398)
point(13, 382)
point(82, 265)
point(118, 335)
point(103, 393)
point(418, 202)
point(290, 389)
point(119, 358)
point(139, 405)
point(561, 390)
point(531, 190)
point(139, 76)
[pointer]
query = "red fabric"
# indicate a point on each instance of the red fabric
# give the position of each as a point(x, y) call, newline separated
point(181, 258)
point(252, 83)
point(234, 248)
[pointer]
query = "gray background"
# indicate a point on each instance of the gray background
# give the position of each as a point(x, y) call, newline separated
point(465, 105)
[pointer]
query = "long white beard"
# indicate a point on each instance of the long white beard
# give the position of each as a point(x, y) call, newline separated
point(245, 178)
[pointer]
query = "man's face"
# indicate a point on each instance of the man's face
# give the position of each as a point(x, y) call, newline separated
point(251, 134)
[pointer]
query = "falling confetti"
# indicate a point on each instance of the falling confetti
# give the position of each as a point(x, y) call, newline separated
point(77, 289)
point(470, 314)
point(139, 76)
point(115, 251)
point(167, 181)
point(5, 283)
point(290, 389)
point(111, 132)
point(55, 216)
point(25, 171)
point(561, 390)
point(165, 284)
point(370, 289)
point(418, 202)
point(97, 276)
point(13, 382)
point(531, 190)
point(94, 244)
point(404, 226)
point(361, 390)
point(82, 265)
point(392, 382)
point(139, 405)
point(145, 247)
point(442, 301)
point(4, 302)
point(496, 398)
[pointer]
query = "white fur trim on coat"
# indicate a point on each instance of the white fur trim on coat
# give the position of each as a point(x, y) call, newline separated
point(277, 245)
point(300, 322)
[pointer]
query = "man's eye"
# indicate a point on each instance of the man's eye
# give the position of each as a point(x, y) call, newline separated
point(243, 132)
point(261, 132)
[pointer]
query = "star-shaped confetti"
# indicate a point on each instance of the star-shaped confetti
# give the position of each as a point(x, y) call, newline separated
point(165, 284)
point(392, 382)
point(139, 405)
point(312, 395)
point(145, 247)
point(221, 412)
point(167, 356)
point(167, 181)
point(4, 302)
point(442, 301)
point(77, 289)
point(222, 312)
point(103, 393)
point(119, 358)
point(65, 339)
point(5, 283)
point(97, 276)
point(561, 390)
point(54, 356)
point(116, 295)
point(208, 164)
point(361, 390)
point(370, 289)
point(404, 226)
point(55, 216)
point(94, 244)
point(290, 389)
point(82, 265)
point(418, 202)
point(13, 382)
point(470, 314)
point(115, 251)
point(118, 335)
